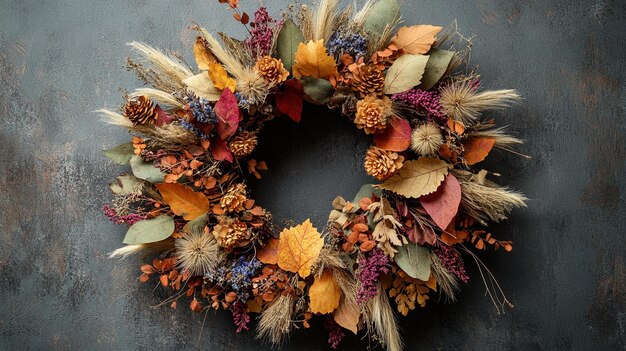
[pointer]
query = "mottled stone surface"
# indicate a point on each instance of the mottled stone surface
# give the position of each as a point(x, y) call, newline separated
point(62, 59)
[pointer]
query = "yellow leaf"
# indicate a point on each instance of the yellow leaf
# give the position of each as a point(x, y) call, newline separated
point(324, 293)
point(347, 315)
point(183, 200)
point(203, 55)
point(220, 77)
point(417, 177)
point(299, 248)
point(416, 39)
point(312, 60)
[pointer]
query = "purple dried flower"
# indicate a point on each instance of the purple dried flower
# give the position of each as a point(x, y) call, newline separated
point(335, 333)
point(261, 36)
point(424, 102)
point(372, 265)
point(241, 318)
point(128, 219)
point(451, 260)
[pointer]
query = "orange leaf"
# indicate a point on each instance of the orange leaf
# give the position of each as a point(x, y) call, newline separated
point(477, 149)
point(195, 305)
point(183, 200)
point(456, 126)
point(416, 39)
point(268, 254)
point(299, 248)
point(324, 293)
point(396, 137)
point(312, 60)
point(220, 77)
point(202, 54)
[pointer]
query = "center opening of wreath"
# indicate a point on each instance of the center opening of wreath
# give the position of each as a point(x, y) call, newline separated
point(309, 164)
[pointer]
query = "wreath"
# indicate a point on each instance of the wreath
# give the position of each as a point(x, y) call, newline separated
point(398, 243)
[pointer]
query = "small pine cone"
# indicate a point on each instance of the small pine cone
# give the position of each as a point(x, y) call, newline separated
point(141, 110)
point(271, 69)
point(372, 113)
point(230, 233)
point(243, 143)
point(382, 164)
point(234, 198)
point(368, 79)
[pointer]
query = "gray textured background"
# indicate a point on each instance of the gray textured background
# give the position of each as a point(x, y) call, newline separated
point(61, 59)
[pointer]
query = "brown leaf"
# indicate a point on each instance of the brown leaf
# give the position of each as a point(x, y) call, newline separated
point(268, 254)
point(183, 200)
point(347, 315)
point(416, 39)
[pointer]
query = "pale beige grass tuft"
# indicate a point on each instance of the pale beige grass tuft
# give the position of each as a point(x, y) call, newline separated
point(276, 320)
point(463, 103)
point(382, 321)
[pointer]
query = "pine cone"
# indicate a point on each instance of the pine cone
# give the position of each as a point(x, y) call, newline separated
point(271, 69)
point(368, 79)
point(382, 164)
point(372, 113)
point(141, 110)
point(234, 198)
point(243, 143)
point(231, 233)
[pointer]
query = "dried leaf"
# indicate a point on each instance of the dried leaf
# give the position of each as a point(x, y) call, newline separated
point(150, 230)
point(324, 293)
point(227, 111)
point(299, 248)
point(414, 259)
point(202, 86)
point(436, 67)
point(268, 254)
point(288, 40)
point(347, 315)
point(416, 39)
point(316, 90)
point(443, 204)
point(405, 73)
point(396, 137)
point(121, 154)
point(477, 149)
point(220, 77)
point(220, 152)
point(126, 184)
point(417, 178)
point(289, 100)
point(146, 171)
point(380, 15)
point(183, 200)
point(202, 54)
point(312, 60)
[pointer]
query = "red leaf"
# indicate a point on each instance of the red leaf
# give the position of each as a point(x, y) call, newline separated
point(421, 236)
point(397, 136)
point(443, 204)
point(162, 117)
point(227, 111)
point(220, 151)
point(245, 19)
point(289, 101)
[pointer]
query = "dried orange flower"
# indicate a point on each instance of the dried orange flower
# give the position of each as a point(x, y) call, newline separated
point(234, 198)
point(231, 233)
point(382, 164)
point(271, 69)
point(372, 113)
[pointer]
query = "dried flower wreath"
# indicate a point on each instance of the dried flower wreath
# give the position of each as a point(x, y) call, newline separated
point(399, 241)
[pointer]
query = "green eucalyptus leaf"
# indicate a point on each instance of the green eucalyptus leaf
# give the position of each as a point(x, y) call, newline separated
point(288, 40)
point(436, 67)
point(146, 171)
point(380, 15)
point(197, 224)
point(317, 90)
point(126, 184)
point(121, 154)
point(414, 259)
point(150, 230)
point(366, 190)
